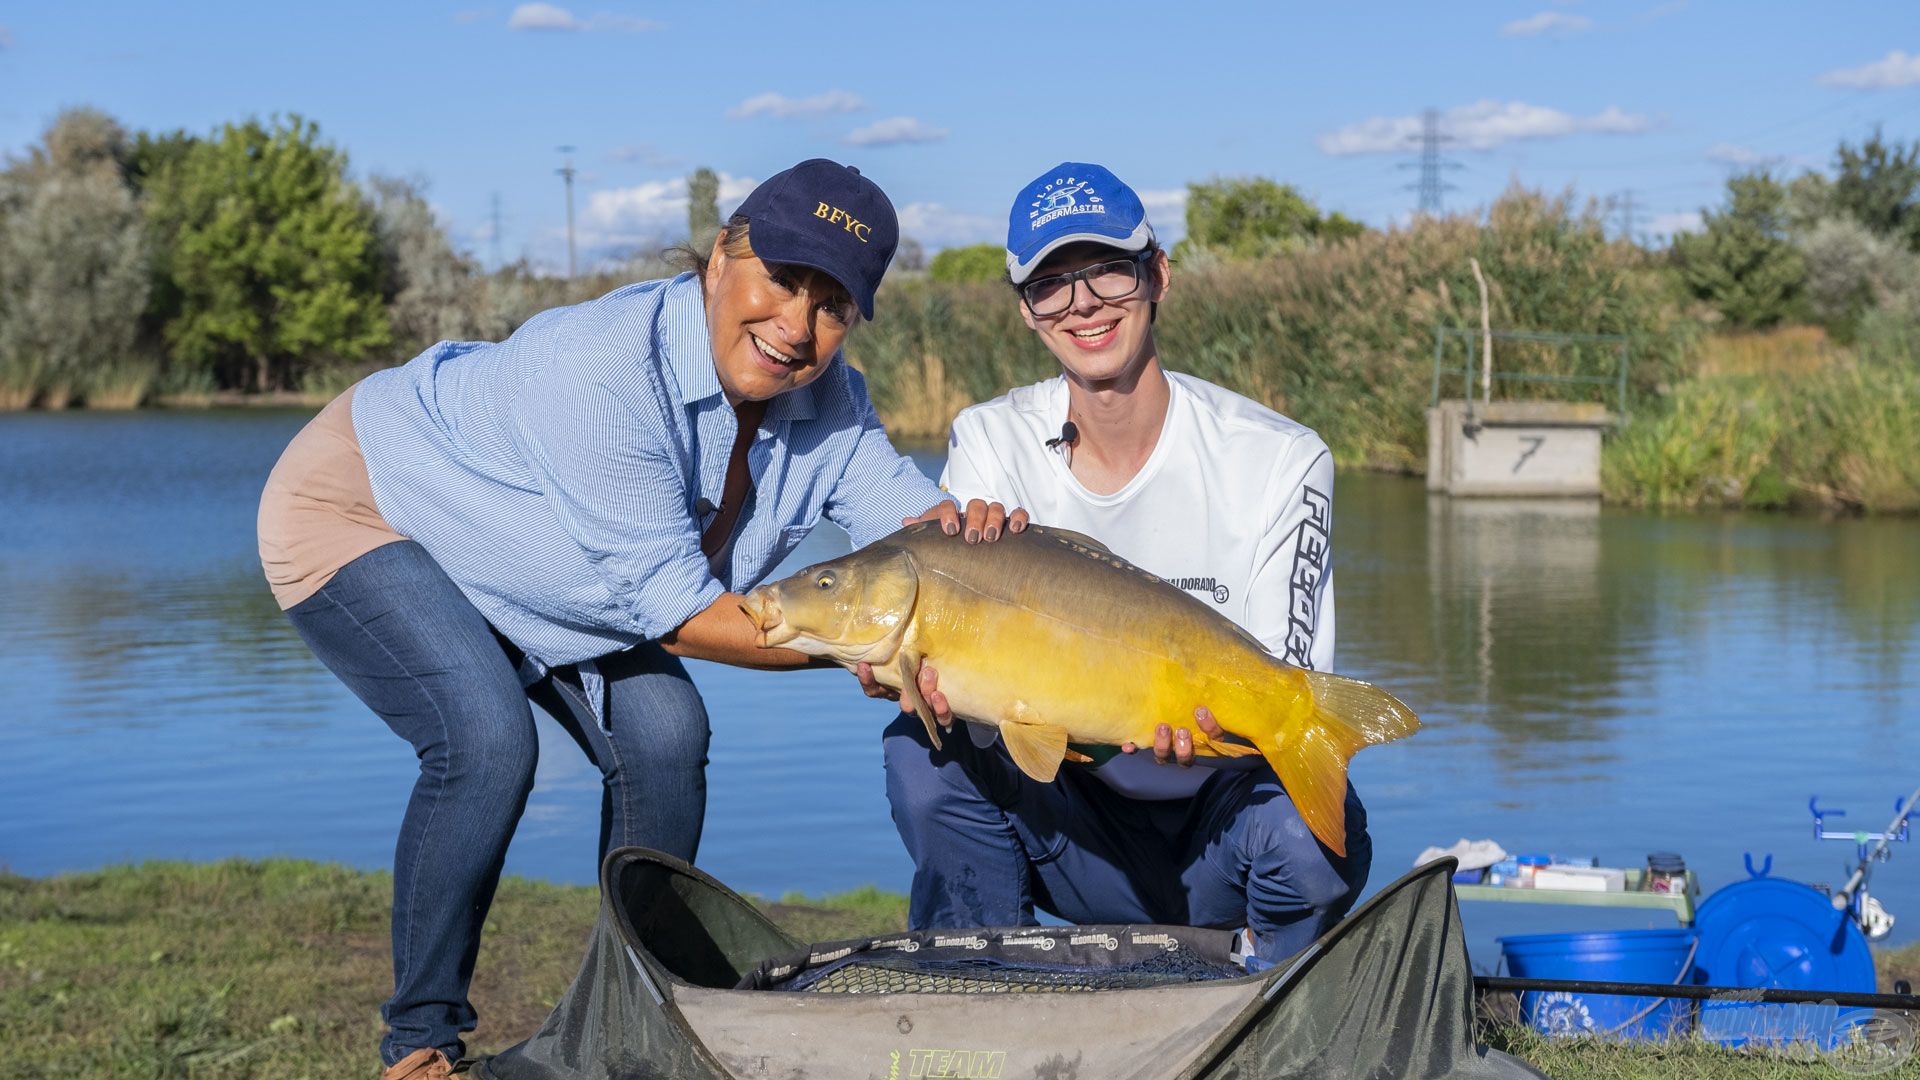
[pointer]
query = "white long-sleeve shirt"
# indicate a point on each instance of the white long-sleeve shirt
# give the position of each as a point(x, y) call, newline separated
point(1235, 505)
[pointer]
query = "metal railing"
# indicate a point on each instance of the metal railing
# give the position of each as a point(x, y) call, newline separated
point(1623, 355)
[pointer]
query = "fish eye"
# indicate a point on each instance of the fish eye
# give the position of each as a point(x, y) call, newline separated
point(825, 581)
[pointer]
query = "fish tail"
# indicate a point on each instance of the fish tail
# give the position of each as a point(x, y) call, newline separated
point(1310, 751)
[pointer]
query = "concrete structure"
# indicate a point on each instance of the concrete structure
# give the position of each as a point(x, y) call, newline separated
point(1515, 448)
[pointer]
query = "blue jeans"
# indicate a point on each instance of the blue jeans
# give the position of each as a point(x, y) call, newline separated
point(990, 844)
point(398, 632)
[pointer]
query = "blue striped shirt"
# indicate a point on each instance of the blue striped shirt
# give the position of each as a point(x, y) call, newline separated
point(555, 475)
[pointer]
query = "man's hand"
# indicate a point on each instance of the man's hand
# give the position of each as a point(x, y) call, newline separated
point(980, 521)
point(929, 691)
point(1175, 745)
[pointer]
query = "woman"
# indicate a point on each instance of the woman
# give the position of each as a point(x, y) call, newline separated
point(561, 517)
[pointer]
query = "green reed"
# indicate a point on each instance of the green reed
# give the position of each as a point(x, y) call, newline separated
point(1843, 438)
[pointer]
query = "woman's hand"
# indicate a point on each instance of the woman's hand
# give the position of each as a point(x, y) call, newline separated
point(980, 521)
point(929, 691)
point(1175, 745)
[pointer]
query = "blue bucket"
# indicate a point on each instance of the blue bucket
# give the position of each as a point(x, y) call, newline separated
point(1642, 956)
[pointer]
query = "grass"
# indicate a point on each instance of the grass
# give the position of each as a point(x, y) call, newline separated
point(274, 968)
point(277, 968)
point(1842, 437)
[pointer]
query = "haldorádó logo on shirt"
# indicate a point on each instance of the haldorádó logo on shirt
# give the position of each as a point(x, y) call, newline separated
point(1201, 585)
point(835, 216)
point(1063, 197)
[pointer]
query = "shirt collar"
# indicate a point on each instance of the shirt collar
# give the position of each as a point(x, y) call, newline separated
point(688, 347)
point(689, 350)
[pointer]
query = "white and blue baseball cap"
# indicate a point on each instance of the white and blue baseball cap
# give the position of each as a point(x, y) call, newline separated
point(1070, 203)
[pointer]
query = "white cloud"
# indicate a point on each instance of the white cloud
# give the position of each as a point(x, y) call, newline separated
point(1729, 154)
point(1482, 125)
point(893, 131)
point(937, 226)
point(1167, 210)
point(1896, 69)
point(1683, 221)
point(650, 212)
point(644, 154)
point(772, 104)
point(1556, 23)
point(552, 17)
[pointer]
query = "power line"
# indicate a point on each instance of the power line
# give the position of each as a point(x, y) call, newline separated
point(1431, 186)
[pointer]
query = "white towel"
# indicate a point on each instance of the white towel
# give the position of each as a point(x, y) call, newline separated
point(1473, 854)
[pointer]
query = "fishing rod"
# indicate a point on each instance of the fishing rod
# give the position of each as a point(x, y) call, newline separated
point(1771, 995)
point(1897, 828)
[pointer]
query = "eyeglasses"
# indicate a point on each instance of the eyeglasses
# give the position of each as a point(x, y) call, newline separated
point(1113, 280)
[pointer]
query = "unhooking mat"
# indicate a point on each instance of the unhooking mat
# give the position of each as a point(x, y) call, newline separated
point(684, 979)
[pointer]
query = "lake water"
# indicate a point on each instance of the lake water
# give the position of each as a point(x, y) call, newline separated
point(1592, 682)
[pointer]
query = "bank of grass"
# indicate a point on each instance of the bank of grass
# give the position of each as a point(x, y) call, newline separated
point(274, 968)
point(1776, 422)
point(277, 968)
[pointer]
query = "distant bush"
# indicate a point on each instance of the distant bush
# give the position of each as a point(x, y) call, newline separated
point(73, 271)
point(272, 255)
point(972, 264)
point(1745, 264)
point(1252, 217)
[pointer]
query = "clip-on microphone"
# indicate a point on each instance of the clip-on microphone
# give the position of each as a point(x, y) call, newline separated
point(1068, 436)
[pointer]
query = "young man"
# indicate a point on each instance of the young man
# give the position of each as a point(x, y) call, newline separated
point(1207, 489)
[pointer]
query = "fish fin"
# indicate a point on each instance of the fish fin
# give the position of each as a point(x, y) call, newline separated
point(1076, 537)
point(982, 734)
point(1037, 748)
point(1310, 756)
point(908, 665)
point(1221, 747)
point(1078, 758)
point(1374, 715)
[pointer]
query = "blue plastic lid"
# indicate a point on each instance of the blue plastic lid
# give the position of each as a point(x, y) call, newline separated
point(1770, 932)
point(1535, 860)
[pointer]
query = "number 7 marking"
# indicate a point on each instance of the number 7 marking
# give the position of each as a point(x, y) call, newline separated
point(1533, 446)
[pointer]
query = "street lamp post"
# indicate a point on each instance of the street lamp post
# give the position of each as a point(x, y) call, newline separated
point(566, 173)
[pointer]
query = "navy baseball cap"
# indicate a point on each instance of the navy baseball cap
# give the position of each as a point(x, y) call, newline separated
point(1069, 203)
point(827, 216)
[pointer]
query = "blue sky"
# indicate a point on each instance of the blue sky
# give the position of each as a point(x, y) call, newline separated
point(952, 107)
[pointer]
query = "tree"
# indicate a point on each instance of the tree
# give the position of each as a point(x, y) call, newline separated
point(910, 255)
point(430, 287)
point(73, 273)
point(1851, 271)
point(1744, 264)
point(273, 254)
point(1879, 184)
point(1254, 218)
point(703, 208)
point(974, 262)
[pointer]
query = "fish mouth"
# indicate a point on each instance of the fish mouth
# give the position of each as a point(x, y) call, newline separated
point(763, 608)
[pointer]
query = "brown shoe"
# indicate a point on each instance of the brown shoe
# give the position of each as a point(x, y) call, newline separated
point(420, 1065)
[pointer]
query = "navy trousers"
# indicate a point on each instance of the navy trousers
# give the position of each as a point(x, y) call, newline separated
point(989, 845)
point(397, 631)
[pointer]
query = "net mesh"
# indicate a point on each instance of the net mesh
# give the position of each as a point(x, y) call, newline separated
point(906, 974)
